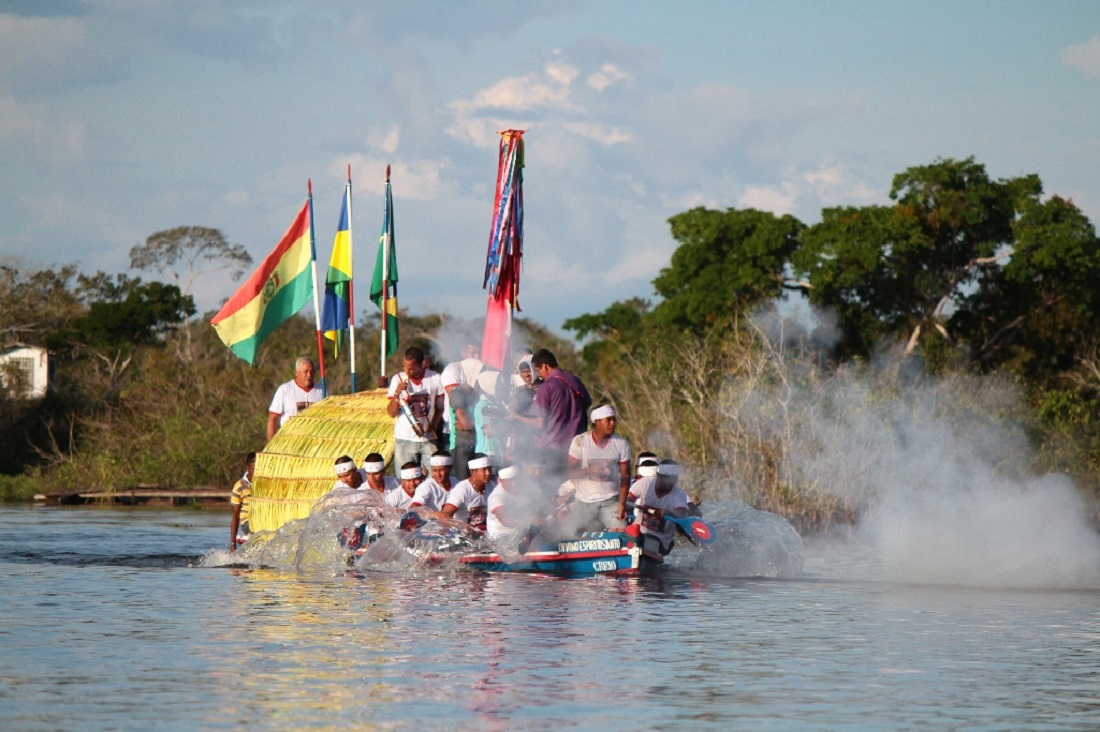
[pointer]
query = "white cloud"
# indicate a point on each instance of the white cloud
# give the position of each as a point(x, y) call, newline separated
point(777, 199)
point(387, 141)
point(1084, 57)
point(57, 140)
point(802, 191)
point(547, 90)
point(420, 180)
point(238, 197)
point(608, 75)
point(603, 134)
point(34, 43)
point(512, 100)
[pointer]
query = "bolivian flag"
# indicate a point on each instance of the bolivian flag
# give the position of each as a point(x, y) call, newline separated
point(274, 293)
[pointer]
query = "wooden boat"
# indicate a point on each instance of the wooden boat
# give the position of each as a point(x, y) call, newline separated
point(622, 553)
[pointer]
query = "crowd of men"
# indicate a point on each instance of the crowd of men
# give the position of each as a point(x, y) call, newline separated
point(505, 454)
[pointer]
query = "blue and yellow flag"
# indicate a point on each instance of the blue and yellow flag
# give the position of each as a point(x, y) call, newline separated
point(337, 308)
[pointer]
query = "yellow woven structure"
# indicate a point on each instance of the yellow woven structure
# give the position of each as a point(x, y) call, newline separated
point(295, 467)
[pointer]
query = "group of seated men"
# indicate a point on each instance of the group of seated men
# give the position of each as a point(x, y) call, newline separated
point(506, 501)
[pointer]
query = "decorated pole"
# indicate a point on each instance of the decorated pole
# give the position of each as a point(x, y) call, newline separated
point(316, 297)
point(351, 289)
point(505, 252)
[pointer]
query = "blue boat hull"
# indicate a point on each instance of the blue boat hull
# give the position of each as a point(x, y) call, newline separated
point(604, 552)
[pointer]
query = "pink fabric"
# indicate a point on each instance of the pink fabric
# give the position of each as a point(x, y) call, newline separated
point(496, 340)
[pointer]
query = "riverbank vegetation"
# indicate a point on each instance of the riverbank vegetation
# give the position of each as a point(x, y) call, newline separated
point(964, 302)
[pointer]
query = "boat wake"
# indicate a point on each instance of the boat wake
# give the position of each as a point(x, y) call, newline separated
point(352, 530)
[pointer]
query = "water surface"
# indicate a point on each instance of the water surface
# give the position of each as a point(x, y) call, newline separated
point(109, 623)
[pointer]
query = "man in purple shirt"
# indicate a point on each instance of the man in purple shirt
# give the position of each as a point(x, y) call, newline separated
point(560, 413)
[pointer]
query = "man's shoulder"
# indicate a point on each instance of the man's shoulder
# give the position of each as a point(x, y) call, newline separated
point(451, 374)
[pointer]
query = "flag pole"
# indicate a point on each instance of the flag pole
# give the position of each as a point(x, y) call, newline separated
point(316, 299)
point(385, 287)
point(351, 287)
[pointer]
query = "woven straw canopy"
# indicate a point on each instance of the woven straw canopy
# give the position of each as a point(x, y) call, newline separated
point(295, 467)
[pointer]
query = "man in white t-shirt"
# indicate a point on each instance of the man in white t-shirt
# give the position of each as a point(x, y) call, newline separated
point(441, 464)
point(348, 478)
point(467, 501)
point(657, 496)
point(505, 518)
point(374, 467)
point(416, 490)
point(416, 404)
point(599, 467)
point(460, 385)
point(293, 397)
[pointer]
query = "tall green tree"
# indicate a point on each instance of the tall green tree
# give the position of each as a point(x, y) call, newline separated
point(904, 271)
point(184, 253)
point(726, 263)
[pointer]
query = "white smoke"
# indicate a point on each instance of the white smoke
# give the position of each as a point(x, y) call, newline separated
point(940, 473)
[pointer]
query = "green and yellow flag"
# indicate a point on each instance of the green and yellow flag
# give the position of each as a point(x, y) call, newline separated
point(383, 288)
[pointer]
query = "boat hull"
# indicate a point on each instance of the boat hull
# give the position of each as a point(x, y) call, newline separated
point(594, 553)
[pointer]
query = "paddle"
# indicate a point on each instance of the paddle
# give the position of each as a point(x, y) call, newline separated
point(694, 528)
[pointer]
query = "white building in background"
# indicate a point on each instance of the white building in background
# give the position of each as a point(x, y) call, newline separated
point(24, 371)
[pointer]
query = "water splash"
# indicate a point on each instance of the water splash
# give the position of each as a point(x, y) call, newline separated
point(750, 543)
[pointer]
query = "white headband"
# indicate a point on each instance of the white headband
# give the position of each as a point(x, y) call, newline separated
point(410, 473)
point(374, 467)
point(603, 412)
point(481, 462)
point(345, 467)
point(442, 460)
point(508, 472)
point(668, 469)
point(648, 470)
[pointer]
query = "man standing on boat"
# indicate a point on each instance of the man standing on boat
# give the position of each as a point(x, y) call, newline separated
point(656, 497)
point(293, 396)
point(599, 466)
point(460, 385)
point(558, 415)
point(416, 403)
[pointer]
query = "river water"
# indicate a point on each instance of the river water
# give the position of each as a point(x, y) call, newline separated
point(113, 619)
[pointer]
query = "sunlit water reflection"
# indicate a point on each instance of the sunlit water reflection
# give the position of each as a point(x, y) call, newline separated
point(110, 623)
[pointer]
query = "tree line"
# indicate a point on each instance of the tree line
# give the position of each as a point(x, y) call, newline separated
point(959, 277)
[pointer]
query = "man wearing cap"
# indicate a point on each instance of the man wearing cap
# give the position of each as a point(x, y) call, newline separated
point(293, 397)
point(416, 404)
point(442, 463)
point(416, 490)
point(467, 501)
point(347, 477)
point(599, 467)
point(656, 496)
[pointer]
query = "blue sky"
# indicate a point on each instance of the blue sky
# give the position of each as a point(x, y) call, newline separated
point(120, 118)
